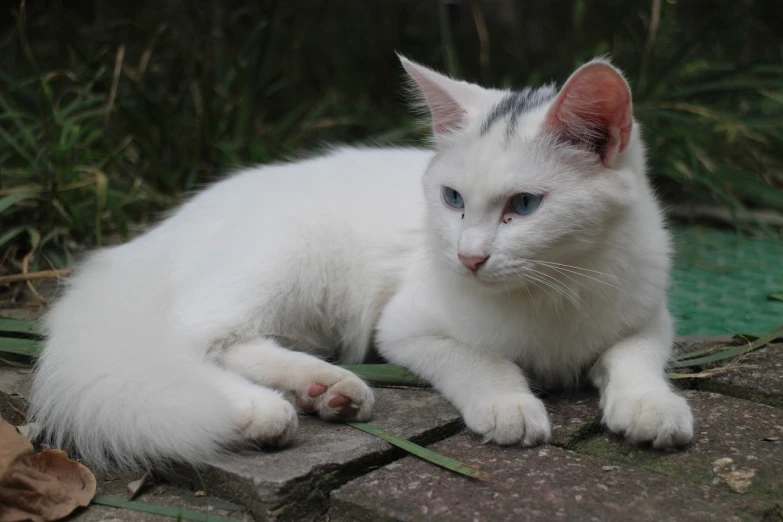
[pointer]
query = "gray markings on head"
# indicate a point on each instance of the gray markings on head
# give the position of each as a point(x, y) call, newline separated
point(517, 103)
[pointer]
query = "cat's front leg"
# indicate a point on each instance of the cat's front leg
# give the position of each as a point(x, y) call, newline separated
point(490, 392)
point(637, 399)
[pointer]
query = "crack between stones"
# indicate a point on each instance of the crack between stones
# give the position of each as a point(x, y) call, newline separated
point(740, 392)
point(308, 497)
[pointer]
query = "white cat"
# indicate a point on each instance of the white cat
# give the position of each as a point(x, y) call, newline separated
point(535, 250)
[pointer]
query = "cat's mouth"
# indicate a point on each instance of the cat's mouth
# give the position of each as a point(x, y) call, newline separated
point(511, 277)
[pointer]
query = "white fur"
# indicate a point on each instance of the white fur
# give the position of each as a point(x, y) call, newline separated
point(185, 340)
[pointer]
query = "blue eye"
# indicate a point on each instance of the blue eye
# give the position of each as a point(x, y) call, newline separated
point(452, 198)
point(525, 203)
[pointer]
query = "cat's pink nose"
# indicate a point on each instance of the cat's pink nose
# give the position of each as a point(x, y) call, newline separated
point(473, 262)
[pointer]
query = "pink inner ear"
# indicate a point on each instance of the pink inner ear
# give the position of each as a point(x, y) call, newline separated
point(447, 114)
point(593, 110)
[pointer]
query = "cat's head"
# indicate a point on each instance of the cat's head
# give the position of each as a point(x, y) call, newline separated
point(525, 178)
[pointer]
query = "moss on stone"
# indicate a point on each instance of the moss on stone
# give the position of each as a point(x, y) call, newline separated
point(669, 463)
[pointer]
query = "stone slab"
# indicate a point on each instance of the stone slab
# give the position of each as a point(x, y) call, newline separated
point(537, 484)
point(294, 483)
point(732, 471)
point(749, 434)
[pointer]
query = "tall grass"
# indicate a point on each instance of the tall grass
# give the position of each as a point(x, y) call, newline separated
point(110, 112)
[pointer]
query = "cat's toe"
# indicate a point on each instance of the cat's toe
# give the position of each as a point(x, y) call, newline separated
point(510, 419)
point(266, 420)
point(662, 418)
point(343, 396)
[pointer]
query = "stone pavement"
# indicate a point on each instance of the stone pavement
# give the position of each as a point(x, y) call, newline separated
point(732, 471)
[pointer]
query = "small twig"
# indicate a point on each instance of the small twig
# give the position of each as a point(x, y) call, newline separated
point(652, 32)
point(447, 40)
point(115, 80)
point(21, 21)
point(723, 215)
point(31, 276)
point(35, 238)
point(19, 412)
point(705, 374)
point(483, 36)
point(147, 54)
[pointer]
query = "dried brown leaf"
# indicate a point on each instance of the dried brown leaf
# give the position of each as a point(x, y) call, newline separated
point(12, 446)
point(40, 488)
point(135, 487)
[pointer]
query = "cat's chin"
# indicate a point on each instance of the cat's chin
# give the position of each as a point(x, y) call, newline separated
point(493, 285)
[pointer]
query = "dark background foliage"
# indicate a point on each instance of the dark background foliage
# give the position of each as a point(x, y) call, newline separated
point(111, 111)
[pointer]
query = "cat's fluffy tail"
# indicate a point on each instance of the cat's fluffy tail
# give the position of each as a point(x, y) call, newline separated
point(111, 387)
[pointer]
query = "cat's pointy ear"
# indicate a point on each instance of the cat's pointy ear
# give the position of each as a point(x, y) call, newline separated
point(593, 110)
point(450, 103)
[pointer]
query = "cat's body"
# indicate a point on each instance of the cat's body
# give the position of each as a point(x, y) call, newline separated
point(181, 341)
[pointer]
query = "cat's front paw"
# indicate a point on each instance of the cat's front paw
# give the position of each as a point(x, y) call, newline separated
point(510, 419)
point(265, 419)
point(661, 417)
point(336, 394)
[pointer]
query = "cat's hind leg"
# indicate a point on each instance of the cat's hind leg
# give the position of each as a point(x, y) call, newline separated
point(262, 416)
point(317, 386)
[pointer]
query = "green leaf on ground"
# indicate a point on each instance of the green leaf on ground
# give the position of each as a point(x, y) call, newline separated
point(20, 327)
point(422, 452)
point(775, 297)
point(20, 337)
point(724, 353)
point(385, 374)
point(17, 346)
point(144, 507)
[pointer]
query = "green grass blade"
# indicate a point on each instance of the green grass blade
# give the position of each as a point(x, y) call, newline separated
point(775, 297)
point(26, 347)
point(723, 86)
point(144, 507)
point(18, 118)
point(11, 234)
point(385, 374)
point(745, 337)
point(729, 352)
point(10, 140)
point(9, 201)
point(18, 326)
point(713, 349)
point(421, 452)
point(699, 353)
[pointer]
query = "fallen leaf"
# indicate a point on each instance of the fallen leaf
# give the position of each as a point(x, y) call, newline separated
point(134, 488)
point(39, 488)
point(12, 446)
point(738, 480)
point(720, 465)
point(29, 431)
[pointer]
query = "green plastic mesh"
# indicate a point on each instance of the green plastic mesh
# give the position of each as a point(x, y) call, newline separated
point(722, 283)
